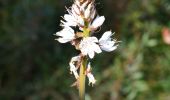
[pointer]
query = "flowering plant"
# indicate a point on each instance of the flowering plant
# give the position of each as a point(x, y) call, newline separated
point(82, 14)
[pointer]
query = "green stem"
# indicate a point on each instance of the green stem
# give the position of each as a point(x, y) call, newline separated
point(82, 79)
point(86, 32)
point(82, 76)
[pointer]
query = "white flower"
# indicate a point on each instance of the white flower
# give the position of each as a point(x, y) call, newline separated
point(66, 35)
point(106, 43)
point(70, 20)
point(98, 21)
point(82, 14)
point(88, 46)
point(77, 2)
point(73, 68)
point(73, 18)
point(90, 76)
point(90, 11)
point(75, 9)
point(84, 5)
point(76, 13)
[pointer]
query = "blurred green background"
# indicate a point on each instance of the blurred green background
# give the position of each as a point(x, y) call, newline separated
point(33, 66)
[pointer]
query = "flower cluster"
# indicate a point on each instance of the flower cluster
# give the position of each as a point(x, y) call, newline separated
point(82, 14)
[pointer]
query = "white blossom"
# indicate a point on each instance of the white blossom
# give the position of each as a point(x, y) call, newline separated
point(73, 18)
point(70, 20)
point(79, 12)
point(84, 5)
point(106, 43)
point(75, 9)
point(77, 2)
point(82, 14)
point(90, 76)
point(98, 21)
point(88, 46)
point(66, 35)
point(73, 68)
point(90, 11)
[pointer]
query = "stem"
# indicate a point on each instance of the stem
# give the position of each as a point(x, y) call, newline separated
point(82, 76)
point(82, 79)
point(86, 31)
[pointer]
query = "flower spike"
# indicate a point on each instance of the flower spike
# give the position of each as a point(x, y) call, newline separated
point(82, 15)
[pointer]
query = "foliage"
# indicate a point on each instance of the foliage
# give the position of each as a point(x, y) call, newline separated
point(33, 66)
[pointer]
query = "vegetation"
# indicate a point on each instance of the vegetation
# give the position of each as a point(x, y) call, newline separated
point(33, 66)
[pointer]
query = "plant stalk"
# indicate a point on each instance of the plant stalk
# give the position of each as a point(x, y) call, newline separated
point(82, 76)
point(82, 79)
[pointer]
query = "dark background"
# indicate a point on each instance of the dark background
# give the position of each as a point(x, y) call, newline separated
point(33, 66)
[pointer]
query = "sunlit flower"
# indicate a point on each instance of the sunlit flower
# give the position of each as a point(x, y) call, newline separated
point(98, 21)
point(90, 76)
point(79, 13)
point(90, 12)
point(88, 46)
point(73, 68)
point(66, 35)
point(70, 20)
point(106, 43)
point(82, 15)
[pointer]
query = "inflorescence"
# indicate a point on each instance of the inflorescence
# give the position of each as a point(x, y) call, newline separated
point(82, 14)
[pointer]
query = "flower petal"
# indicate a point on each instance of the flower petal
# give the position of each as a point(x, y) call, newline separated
point(88, 11)
point(98, 22)
point(97, 48)
point(109, 49)
point(73, 67)
point(66, 35)
point(90, 76)
point(88, 67)
point(80, 21)
point(106, 43)
point(68, 17)
point(88, 46)
point(93, 39)
point(75, 9)
point(91, 53)
point(63, 40)
point(106, 35)
point(83, 6)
